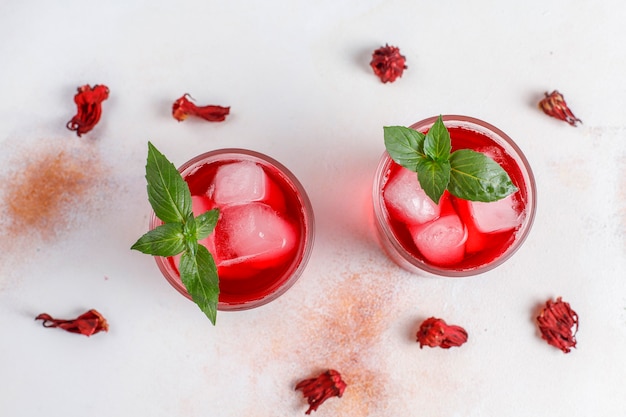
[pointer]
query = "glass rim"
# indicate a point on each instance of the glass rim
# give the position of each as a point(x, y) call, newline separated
point(305, 248)
point(381, 216)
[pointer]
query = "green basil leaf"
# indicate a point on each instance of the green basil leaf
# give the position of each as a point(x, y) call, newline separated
point(206, 223)
point(404, 145)
point(190, 233)
point(170, 198)
point(437, 143)
point(433, 176)
point(168, 192)
point(476, 177)
point(164, 240)
point(199, 275)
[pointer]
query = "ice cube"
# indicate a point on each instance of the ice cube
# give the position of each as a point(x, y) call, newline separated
point(407, 200)
point(253, 233)
point(441, 241)
point(496, 216)
point(493, 152)
point(239, 182)
point(201, 204)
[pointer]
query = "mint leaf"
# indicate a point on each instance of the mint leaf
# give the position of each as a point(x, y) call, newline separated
point(465, 173)
point(433, 177)
point(474, 176)
point(206, 223)
point(168, 192)
point(170, 199)
point(190, 233)
point(404, 145)
point(199, 275)
point(164, 240)
point(437, 142)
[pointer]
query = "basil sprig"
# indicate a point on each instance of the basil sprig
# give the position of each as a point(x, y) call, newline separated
point(465, 173)
point(180, 232)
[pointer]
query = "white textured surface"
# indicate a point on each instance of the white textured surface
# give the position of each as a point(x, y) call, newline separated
point(297, 77)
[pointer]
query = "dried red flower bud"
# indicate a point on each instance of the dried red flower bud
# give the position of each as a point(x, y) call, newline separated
point(387, 63)
point(87, 323)
point(88, 108)
point(558, 324)
point(436, 333)
point(183, 108)
point(319, 389)
point(554, 105)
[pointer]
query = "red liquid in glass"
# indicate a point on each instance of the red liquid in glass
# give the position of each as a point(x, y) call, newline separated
point(480, 248)
point(248, 281)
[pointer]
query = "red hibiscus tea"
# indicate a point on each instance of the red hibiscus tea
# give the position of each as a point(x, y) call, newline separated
point(455, 237)
point(264, 235)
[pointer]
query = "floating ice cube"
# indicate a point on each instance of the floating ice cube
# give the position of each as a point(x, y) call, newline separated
point(493, 152)
point(253, 233)
point(201, 204)
point(407, 200)
point(496, 216)
point(239, 182)
point(442, 241)
point(244, 182)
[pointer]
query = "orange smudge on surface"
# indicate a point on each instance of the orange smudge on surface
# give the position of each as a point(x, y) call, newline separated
point(38, 196)
point(48, 187)
point(345, 333)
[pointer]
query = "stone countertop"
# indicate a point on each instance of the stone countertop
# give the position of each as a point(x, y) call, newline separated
point(298, 81)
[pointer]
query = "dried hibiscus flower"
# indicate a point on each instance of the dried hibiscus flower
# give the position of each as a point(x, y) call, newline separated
point(319, 389)
point(554, 105)
point(183, 108)
point(435, 332)
point(88, 108)
point(88, 323)
point(387, 63)
point(558, 324)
